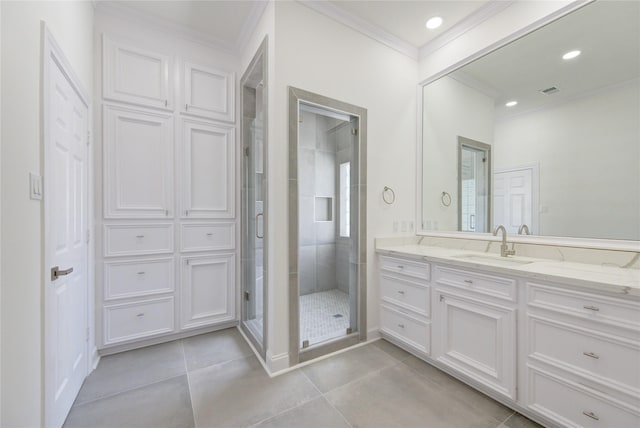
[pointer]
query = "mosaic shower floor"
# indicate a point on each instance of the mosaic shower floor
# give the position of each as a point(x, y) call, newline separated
point(323, 316)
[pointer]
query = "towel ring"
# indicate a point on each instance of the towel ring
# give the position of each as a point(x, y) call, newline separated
point(446, 199)
point(385, 195)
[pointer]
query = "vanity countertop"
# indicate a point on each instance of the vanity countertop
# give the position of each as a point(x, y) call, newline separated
point(611, 279)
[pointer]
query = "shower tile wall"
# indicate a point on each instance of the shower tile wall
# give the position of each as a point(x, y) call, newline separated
point(317, 153)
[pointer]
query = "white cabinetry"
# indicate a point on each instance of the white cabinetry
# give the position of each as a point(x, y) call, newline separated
point(582, 357)
point(136, 76)
point(405, 309)
point(208, 92)
point(475, 332)
point(167, 233)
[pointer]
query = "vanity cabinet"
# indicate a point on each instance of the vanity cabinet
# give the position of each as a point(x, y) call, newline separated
point(208, 92)
point(405, 310)
point(582, 356)
point(475, 327)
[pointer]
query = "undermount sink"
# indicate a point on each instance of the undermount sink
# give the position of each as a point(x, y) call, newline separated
point(495, 260)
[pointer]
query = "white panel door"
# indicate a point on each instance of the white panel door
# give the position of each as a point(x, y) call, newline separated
point(208, 290)
point(208, 170)
point(478, 339)
point(138, 163)
point(136, 76)
point(66, 333)
point(513, 199)
point(209, 92)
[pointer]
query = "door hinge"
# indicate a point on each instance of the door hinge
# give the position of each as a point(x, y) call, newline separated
point(441, 298)
point(88, 333)
point(247, 296)
point(354, 131)
point(88, 137)
point(246, 151)
point(88, 235)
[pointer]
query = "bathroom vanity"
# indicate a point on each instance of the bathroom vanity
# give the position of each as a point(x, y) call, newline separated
point(555, 340)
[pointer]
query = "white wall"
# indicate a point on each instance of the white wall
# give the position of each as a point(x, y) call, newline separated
point(22, 241)
point(451, 109)
point(317, 54)
point(589, 167)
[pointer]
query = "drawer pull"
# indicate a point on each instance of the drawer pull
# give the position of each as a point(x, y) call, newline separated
point(468, 281)
point(141, 273)
point(401, 325)
point(592, 355)
point(400, 267)
point(209, 233)
point(141, 314)
point(400, 292)
point(591, 308)
point(139, 236)
point(591, 415)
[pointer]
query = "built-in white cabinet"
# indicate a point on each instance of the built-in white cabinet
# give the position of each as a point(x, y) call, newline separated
point(207, 154)
point(208, 92)
point(166, 247)
point(564, 354)
point(138, 163)
point(136, 76)
point(208, 290)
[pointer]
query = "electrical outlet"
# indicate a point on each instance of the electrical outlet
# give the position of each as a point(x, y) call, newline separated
point(395, 227)
point(410, 226)
point(35, 186)
point(404, 226)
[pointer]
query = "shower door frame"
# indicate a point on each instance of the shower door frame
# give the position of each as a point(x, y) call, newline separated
point(261, 54)
point(297, 355)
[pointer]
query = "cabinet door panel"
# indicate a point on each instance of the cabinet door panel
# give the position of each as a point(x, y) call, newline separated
point(209, 92)
point(138, 168)
point(478, 339)
point(208, 170)
point(136, 76)
point(208, 284)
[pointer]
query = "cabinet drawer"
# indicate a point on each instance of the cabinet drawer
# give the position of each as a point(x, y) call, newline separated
point(405, 267)
point(405, 293)
point(573, 405)
point(128, 240)
point(137, 320)
point(599, 357)
point(607, 310)
point(208, 237)
point(406, 327)
point(496, 286)
point(132, 278)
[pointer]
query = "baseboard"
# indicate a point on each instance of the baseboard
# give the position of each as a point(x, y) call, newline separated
point(373, 334)
point(277, 363)
point(95, 359)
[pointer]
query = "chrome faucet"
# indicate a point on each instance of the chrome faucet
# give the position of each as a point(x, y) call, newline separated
point(524, 229)
point(504, 248)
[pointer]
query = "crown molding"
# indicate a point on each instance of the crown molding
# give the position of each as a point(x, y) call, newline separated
point(120, 10)
point(250, 24)
point(362, 26)
point(485, 12)
point(472, 82)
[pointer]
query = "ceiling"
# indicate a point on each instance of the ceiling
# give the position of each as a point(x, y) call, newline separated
point(224, 22)
point(607, 34)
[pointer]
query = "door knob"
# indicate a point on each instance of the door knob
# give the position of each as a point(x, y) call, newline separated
point(56, 272)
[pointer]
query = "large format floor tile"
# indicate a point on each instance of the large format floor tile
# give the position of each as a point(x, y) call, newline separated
point(518, 421)
point(348, 366)
point(132, 369)
point(391, 349)
point(397, 397)
point(213, 348)
point(159, 405)
point(239, 393)
point(316, 413)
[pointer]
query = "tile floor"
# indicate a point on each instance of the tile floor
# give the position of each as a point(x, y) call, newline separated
point(214, 380)
point(317, 321)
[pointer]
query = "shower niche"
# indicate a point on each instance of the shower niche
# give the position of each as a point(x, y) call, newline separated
point(326, 225)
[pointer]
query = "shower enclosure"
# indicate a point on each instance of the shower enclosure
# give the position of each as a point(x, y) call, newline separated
point(327, 224)
point(254, 199)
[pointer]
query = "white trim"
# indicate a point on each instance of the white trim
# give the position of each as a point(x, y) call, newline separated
point(250, 25)
point(485, 12)
point(535, 191)
point(362, 26)
point(51, 52)
point(277, 364)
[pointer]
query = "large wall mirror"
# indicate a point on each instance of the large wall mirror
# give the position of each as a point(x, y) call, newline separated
point(556, 117)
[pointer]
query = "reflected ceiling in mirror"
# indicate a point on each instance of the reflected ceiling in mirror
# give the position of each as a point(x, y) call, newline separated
point(565, 157)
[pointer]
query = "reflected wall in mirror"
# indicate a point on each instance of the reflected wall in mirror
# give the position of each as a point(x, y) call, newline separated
point(565, 160)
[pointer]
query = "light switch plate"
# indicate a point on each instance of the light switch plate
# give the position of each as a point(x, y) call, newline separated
point(35, 187)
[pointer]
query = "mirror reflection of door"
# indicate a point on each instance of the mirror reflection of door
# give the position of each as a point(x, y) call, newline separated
point(514, 198)
point(474, 186)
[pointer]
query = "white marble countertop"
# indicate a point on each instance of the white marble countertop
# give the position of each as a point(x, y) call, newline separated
point(609, 279)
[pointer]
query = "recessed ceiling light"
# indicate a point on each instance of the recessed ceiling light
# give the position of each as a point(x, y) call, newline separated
point(511, 103)
point(570, 55)
point(434, 23)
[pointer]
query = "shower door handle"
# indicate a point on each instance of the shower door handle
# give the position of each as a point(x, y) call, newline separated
point(258, 235)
